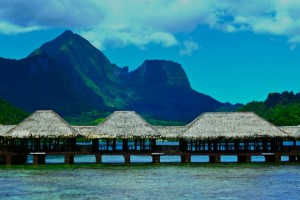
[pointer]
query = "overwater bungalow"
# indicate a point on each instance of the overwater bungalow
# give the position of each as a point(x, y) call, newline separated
point(125, 133)
point(230, 132)
point(42, 132)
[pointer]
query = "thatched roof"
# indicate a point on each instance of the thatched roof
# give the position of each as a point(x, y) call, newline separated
point(5, 128)
point(170, 132)
point(230, 125)
point(124, 124)
point(84, 131)
point(292, 131)
point(42, 123)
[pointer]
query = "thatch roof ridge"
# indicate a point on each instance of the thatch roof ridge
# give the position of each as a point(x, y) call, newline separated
point(170, 132)
point(84, 131)
point(213, 125)
point(215, 113)
point(124, 124)
point(43, 123)
point(293, 131)
point(5, 128)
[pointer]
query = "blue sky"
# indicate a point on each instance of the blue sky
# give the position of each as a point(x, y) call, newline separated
point(234, 52)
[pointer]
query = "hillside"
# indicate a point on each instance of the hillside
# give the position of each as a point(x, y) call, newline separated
point(280, 109)
point(72, 77)
point(10, 114)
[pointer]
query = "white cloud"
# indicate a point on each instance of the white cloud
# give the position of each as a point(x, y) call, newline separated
point(51, 13)
point(9, 29)
point(141, 22)
point(275, 17)
point(189, 47)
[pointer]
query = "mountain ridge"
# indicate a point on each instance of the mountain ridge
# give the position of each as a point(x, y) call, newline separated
point(282, 109)
point(73, 77)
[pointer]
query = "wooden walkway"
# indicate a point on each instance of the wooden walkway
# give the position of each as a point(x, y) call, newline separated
point(39, 157)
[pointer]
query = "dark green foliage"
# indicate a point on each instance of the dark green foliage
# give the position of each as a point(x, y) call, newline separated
point(284, 98)
point(10, 115)
point(91, 118)
point(228, 107)
point(164, 123)
point(280, 109)
point(95, 117)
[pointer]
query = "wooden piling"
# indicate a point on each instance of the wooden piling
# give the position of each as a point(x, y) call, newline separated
point(2, 160)
point(95, 145)
point(155, 158)
point(8, 159)
point(98, 158)
point(39, 159)
point(127, 158)
point(292, 158)
point(19, 159)
point(125, 145)
point(244, 159)
point(186, 158)
point(69, 159)
point(272, 158)
point(214, 159)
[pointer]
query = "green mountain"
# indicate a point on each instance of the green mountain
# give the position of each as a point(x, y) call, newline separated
point(10, 114)
point(72, 77)
point(280, 109)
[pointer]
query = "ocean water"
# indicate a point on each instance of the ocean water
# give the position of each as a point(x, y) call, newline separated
point(143, 180)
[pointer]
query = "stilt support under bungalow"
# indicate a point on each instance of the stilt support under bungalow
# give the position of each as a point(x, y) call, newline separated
point(38, 158)
point(125, 144)
point(95, 145)
point(292, 158)
point(98, 158)
point(155, 158)
point(8, 159)
point(186, 159)
point(127, 158)
point(69, 159)
point(114, 144)
point(214, 159)
point(272, 158)
point(298, 158)
point(2, 159)
point(21, 159)
point(244, 159)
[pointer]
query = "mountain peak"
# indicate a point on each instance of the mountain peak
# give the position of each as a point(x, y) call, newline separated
point(70, 46)
point(162, 72)
point(67, 33)
point(53, 47)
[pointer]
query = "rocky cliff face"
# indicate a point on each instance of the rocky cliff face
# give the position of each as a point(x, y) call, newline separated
point(71, 76)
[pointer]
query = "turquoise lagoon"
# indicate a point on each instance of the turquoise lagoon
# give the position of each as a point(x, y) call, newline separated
point(143, 180)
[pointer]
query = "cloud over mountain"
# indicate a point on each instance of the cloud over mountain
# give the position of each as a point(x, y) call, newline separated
point(142, 22)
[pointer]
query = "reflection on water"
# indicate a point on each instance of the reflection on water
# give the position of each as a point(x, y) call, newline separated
point(151, 181)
